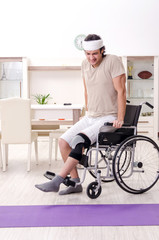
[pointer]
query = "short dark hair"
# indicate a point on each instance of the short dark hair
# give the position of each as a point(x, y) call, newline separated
point(93, 37)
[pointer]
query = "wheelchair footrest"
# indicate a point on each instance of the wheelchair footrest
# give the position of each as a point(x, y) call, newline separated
point(49, 175)
point(69, 182)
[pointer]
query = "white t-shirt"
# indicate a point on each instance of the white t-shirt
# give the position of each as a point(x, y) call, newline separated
point(101, 94)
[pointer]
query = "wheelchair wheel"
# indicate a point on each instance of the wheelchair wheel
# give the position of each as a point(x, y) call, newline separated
point(141, 170)
point(102, 164)
point(92, 190)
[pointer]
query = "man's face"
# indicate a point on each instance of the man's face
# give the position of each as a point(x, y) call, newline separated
point(94, 57)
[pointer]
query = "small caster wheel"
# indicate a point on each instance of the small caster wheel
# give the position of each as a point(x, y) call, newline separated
point(91, 190)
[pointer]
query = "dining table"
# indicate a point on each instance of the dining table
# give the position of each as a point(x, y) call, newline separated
point(51, 116)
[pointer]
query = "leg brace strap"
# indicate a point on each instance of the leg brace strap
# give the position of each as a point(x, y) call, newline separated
point(79, 142)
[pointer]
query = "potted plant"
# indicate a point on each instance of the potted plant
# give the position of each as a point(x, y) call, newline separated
point(42, 99)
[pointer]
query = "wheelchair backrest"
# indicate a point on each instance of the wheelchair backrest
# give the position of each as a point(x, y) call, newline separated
point(132, 114)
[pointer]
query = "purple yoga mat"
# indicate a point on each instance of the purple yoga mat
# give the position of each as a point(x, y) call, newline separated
point(79, 215)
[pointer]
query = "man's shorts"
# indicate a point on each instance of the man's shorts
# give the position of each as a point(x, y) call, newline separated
point(88, 126)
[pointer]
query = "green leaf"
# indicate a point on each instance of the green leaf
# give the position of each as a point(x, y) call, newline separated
point(41, 99)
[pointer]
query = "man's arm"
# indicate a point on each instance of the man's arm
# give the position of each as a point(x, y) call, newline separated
point(85, 94)
point(119, 85)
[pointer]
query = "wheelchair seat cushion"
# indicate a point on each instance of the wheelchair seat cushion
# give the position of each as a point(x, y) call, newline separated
point(112, 138)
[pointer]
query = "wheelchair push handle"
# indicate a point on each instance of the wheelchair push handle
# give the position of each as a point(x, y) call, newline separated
point(146, 103)
point(149, 105)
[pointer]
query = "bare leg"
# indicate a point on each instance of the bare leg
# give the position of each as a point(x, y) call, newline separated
point(65, 151)
point(69, 167)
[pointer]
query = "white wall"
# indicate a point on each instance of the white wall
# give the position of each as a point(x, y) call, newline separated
point(38, 28)
point(63, 86)
point(44, 31)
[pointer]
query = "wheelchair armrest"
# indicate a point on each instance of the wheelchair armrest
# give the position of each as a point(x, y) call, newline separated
point(108, 124)
point(126, 125)
point(111, 124)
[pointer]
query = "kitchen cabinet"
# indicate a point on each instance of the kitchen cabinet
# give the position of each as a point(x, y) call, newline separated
point(13, 77)
point(142, 86)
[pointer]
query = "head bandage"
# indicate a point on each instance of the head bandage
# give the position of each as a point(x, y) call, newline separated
point(92, 45)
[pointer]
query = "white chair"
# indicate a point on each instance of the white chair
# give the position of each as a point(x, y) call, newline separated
point(54, 134)
point(16, 127)
point(0, 152)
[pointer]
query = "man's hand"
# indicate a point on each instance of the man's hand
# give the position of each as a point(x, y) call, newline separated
point(117, 123)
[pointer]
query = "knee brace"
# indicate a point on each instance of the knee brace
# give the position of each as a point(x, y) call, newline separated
point(79, 142)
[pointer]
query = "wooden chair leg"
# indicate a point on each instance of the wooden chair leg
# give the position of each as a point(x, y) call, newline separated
point(56, 148)
point(50, 148)
point(4, 160)
point(36, 151)
point(6, 152)
point(1, 164)
point(29, 157)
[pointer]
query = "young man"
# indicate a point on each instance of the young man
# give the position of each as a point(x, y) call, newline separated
point(105, 101)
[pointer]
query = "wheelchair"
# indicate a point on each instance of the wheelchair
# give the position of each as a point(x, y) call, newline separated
point(131, 160)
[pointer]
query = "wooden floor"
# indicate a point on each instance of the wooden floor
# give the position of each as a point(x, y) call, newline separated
point(17, 188)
